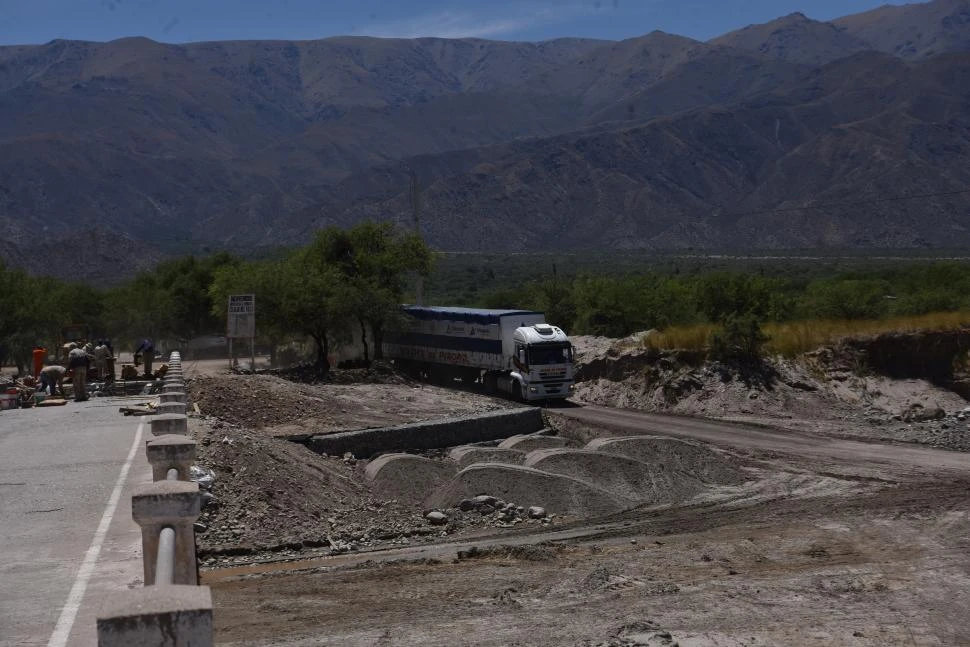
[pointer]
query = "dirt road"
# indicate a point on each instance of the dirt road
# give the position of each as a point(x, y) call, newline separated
point(767, 439)
point(831, 542)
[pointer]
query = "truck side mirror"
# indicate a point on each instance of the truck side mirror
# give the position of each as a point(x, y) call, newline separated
point(522, 356)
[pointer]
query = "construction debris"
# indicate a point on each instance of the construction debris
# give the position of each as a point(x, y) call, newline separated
point(142, 409)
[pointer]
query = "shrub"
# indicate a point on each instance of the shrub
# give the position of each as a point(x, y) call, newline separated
point(739, 341)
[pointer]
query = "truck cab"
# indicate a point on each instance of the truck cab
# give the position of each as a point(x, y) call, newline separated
point(542, 362)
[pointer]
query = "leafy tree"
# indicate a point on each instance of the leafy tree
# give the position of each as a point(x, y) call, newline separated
point(739, 341)
point(602, 306)
point(268, 280)
point(846, 299)
point(722, 295)
point(315, 299)
point(381, 260)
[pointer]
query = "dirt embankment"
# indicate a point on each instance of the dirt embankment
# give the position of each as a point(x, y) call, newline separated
point(274, 497)
point(901, 387)
point(864, 554)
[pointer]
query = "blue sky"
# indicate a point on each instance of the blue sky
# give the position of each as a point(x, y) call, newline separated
point(39, 21)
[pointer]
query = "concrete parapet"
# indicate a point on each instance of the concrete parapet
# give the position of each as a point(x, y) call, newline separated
point(407, 476)
point(169, 423)
point(433, 434)
point(170, 407)
point(174, 504)
point(470, 454)
point(172, 396)
point(528, 443)
point(171, 450)
point(160, 616)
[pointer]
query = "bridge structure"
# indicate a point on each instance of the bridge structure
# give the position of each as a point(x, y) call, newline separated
point(96, 514)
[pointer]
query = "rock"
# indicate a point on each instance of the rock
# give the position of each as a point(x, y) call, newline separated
point(207, 499)
point(466, 505)
point(436, 518)
point(918, 413)
point(484, 499)
point(199, 527)
point(536, 512)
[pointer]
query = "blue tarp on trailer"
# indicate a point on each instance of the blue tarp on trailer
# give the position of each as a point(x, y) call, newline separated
point(467, 315)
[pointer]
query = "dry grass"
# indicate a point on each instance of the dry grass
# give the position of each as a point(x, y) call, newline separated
point(686, 337)
point(796, 337)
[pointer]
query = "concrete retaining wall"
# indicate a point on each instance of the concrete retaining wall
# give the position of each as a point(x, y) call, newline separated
point(436, 434)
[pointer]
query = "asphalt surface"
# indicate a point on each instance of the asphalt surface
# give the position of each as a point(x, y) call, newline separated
point(69, 545)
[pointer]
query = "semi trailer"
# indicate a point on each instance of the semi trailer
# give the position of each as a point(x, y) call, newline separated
point(512, 351)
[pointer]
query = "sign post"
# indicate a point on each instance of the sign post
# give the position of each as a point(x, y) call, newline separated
point(241, 323)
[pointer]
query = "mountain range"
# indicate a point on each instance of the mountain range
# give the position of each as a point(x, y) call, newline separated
point(852, 133)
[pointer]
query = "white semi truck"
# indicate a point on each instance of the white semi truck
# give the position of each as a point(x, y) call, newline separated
point(513, 351)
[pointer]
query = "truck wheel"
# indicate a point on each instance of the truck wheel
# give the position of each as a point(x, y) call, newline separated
point(517, 392)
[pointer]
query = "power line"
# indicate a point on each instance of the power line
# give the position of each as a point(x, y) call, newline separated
point(835, 205)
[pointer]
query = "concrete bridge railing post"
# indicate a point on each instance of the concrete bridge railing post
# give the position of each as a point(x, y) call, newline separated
point(168, 504)
point(172, 610)
point(170, 451)
point(160, 616)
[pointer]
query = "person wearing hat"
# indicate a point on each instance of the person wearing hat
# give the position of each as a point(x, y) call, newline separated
point(146, 350)
point(79, 359)
point(101, 355)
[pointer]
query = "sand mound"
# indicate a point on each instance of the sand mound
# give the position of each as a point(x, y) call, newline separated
point(526, 486)
point(406, 476)
point(623, 476)
point(465, 456)
point(530, 442)
point(704, 464)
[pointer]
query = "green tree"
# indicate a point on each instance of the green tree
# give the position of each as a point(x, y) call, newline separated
point(315, 299)
point(739, 341)
point(381, 260)
point(722, 294)
point(847, 299)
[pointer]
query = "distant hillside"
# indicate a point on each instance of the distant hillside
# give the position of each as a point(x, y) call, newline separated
point(658, 141)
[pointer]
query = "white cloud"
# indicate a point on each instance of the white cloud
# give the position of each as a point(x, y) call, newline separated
point(498, 20)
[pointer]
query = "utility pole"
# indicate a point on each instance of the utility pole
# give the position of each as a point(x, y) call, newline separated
point(414, 197)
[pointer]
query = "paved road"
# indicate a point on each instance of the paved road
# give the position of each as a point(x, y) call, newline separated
point(773, 440)
point(66, 550)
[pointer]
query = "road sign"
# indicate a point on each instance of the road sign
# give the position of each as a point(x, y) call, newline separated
point(241, 320)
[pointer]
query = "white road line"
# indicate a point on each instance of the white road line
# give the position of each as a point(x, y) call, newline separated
point(64, 624)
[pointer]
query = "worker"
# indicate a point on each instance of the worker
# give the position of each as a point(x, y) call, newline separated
point(111, 360)
point(39, 354)
point(101, 355)
point(147, 351)
point(78, 361)
point(52, 377)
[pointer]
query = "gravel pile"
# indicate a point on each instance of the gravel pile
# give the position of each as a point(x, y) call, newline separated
point(677, 456)
point(652, 483)
point(556, 493)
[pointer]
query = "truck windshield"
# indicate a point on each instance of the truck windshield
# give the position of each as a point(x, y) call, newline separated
point(558, 354)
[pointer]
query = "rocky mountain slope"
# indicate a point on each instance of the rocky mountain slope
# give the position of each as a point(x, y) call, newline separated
point(658, 141)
